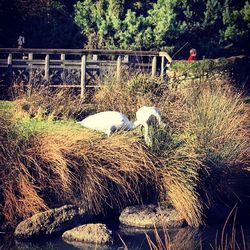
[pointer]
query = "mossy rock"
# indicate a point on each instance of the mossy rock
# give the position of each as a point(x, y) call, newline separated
point(150, 216)
point(52, 222)
point(90, 233)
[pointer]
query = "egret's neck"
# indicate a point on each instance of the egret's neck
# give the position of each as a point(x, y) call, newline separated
point(135, 124)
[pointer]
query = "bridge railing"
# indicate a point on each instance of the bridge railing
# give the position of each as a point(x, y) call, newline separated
point(77, 66)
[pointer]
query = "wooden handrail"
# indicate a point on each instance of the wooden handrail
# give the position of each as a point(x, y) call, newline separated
point(88, 52)
point(80, 51)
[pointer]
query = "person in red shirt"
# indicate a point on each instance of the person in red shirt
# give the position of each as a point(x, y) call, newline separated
point(193, 54)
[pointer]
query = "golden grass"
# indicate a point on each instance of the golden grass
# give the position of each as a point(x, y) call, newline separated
point(204, 144)
point(95, 170)
point(60, 162)
point(58, 104)
point(127, 97)
point(218, 119)
point(180, 177)
point(210, 144)
point(188, 238)
point(119, 98)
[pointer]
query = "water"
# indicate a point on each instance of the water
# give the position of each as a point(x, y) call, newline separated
point(184, 238)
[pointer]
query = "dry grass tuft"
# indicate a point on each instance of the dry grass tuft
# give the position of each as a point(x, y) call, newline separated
point(129, 96)
point(95, 172)
point(58, 104)
point(204, 146)
point(210, 144)
point(180, 179)
point(119, 98)
point(46, 164)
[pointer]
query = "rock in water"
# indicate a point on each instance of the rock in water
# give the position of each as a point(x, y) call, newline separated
point(52, 222)
point(90, 233)
point(150, 216)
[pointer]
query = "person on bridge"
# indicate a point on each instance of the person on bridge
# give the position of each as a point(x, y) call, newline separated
point(193, 54)
point(21, 41)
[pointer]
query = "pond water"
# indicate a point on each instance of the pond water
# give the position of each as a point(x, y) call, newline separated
point(184, 238)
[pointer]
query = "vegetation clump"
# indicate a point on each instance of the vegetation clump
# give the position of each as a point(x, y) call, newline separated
point(46, 163)
point(194, 163)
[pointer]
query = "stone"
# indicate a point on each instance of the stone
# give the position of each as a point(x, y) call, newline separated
point(52, 222)
point(90, 233)
point(150, 216)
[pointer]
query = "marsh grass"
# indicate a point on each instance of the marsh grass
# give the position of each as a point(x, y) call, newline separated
point(46, 164)
point(226, 239)
point(127, 97)
point(192, 160)
point(58, 104)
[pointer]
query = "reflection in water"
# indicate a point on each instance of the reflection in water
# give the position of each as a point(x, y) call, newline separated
point(184, 238)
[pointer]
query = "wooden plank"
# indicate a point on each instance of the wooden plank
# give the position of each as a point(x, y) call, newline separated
point(61, 86)
point(166, 55)
point(70, 86)
point(94, 86)
point(30, 58)
point(63, 76)
point(9, 59)
point(9, 70)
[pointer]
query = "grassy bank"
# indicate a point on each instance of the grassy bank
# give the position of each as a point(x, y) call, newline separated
point(46, 163)
point(199, 159)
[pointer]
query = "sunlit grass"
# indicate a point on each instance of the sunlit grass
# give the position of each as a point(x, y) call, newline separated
point(205, 140)
point(46, 163)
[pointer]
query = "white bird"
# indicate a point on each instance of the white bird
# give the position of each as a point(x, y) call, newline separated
point(107, 122)
point(146, 116)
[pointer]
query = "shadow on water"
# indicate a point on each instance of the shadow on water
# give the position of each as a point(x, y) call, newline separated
point(184, 238)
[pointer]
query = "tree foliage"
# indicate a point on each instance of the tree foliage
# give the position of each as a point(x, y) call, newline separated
point(212, 26)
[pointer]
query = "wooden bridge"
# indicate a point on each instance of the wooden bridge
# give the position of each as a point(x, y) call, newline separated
point(76, 68)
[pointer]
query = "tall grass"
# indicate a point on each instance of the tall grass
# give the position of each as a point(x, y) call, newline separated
point(195, 160)
point(46, 164)
point(203, 146)
point(58, 104)
point(209, 140)
point(225, 239)
point(128, 96)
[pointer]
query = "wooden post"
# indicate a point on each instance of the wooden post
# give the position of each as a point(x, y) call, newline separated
point(126, 59)
point(9, 71)
point(203, 66)
point(30, 58)
point(63, 76)
point(119, 67)
point(154, 61)
point(10, 59)
point(162, 67)
point(83, 75)
point(46, 69)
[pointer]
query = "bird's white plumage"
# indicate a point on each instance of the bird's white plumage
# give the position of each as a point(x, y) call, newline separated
point(146, 116)
point(107, 122)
